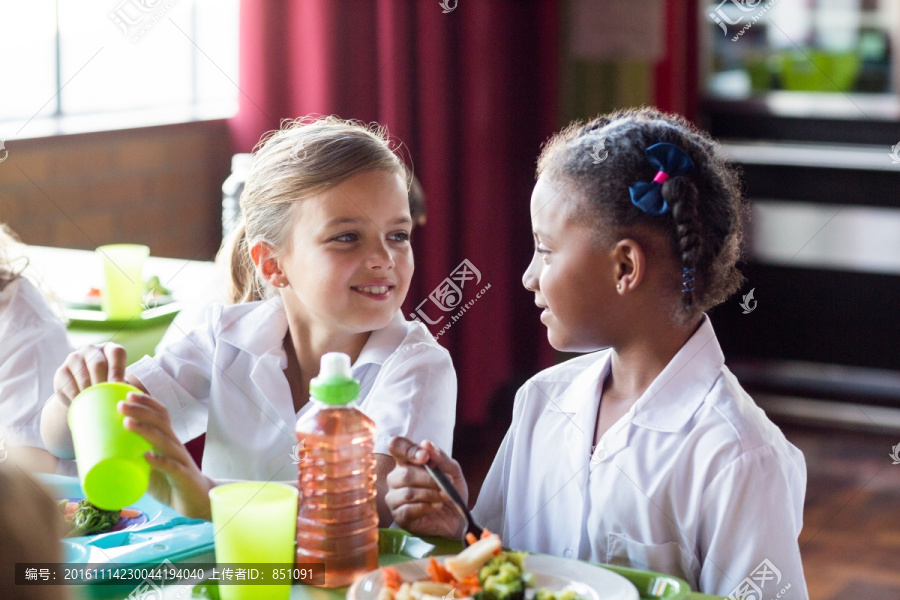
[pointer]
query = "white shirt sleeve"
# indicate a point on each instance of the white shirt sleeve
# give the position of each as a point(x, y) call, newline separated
point(414, 395)
point(179, 377)
point(28, 361)
point(752, 513)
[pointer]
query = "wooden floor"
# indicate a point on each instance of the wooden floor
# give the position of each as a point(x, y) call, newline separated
point(851, 535)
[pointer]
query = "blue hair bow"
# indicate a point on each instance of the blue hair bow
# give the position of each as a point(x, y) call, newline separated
point(671, 162)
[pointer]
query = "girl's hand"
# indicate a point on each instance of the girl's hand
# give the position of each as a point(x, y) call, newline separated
point(88, 366)
point(416, 502)
point(175, 478)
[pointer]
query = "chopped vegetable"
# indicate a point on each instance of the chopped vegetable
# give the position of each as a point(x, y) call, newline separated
point(565, 594)
point(474, 557)
point(87, 519)
point(392, 578)
point(504, 577)
point(155, 285)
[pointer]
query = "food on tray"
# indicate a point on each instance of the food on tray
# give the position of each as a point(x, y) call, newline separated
point(86, 519)
point(155, 285)
point(483, 571)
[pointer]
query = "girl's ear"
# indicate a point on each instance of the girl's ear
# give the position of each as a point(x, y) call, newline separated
point(630, 264)
point(266, 262)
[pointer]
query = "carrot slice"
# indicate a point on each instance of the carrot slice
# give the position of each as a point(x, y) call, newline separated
point(470, 538)
point(392, 578)
point(130, 513)
point(438, 573)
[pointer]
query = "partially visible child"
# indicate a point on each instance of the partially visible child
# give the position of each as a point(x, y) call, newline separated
point(646, 452)
point(31, 526)
point(33, 343)
point(321, 263)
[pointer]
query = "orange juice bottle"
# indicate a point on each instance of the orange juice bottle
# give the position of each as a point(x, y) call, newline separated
point(337, 523)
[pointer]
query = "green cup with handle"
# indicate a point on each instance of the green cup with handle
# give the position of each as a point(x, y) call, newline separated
point(111, 464)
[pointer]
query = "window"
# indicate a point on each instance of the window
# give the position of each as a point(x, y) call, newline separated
point(105, 62)
point(833, 46)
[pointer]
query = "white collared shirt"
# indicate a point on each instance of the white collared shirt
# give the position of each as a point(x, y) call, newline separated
point(33, 345)
point(226, 379)
point(694, 480)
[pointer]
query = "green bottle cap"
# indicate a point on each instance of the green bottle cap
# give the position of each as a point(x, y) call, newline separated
point(334, 384)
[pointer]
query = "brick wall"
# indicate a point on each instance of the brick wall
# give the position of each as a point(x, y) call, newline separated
point(159, 186)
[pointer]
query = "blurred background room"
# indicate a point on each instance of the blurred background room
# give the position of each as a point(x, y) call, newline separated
point(130, 121)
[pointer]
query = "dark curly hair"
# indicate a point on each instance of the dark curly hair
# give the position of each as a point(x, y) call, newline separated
point(705, 224)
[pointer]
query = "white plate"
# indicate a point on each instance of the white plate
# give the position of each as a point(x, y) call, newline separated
point(551, 572)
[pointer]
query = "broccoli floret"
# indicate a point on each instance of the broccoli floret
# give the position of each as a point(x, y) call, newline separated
point(503, 577)
point(497, 590)
point(566, 594)
point(511, 564)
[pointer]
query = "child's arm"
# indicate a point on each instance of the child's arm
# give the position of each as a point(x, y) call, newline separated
point(175, 480)
point(83, 368)
point(415, 500)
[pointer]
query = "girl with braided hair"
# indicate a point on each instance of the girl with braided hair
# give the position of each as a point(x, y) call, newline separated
point(645, 452)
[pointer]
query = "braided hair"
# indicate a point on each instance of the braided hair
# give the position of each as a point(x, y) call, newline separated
point(600, 159)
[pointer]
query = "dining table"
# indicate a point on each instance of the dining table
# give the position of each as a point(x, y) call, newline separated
point(395, 546)
point(68, 274)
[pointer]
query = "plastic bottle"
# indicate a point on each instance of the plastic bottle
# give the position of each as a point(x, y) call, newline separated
point(337, 523)
point(231, 191)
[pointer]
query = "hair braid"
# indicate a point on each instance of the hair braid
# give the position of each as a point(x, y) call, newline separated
point(683, 197)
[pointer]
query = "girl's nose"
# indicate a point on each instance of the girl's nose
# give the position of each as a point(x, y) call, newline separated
point(532, 274)
point(380, 257)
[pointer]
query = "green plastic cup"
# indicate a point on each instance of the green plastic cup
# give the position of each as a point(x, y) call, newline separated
point(123, 291)
point(254, 522)
point(110, 459)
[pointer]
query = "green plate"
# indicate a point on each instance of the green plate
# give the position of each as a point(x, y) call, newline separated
point(80, 318)
point(396, 545)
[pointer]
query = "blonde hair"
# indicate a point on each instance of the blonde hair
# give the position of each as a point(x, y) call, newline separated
point(305, 157)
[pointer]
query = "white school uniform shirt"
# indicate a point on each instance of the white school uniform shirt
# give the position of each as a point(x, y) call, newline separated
point(693, 481)
point(33, 345)
point(226, 378)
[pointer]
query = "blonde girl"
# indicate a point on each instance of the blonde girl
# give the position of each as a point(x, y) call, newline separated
point(321, 263)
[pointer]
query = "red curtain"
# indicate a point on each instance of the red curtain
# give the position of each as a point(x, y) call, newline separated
point(472, 93)
point(677, 74)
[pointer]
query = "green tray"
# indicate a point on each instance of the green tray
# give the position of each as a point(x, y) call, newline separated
point(396, 546)
point(93, 319)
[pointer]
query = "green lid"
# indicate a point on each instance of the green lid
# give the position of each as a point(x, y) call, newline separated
point(335, 384)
